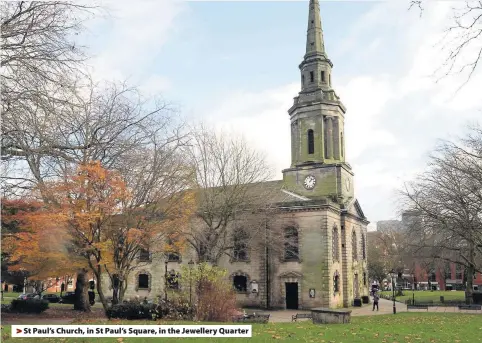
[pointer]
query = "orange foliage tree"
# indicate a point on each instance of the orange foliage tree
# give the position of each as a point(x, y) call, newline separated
point(35, 242)
point(107, 231)
point(85, 202)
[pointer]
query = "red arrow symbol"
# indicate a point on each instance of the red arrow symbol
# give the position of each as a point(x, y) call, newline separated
point(19, 330)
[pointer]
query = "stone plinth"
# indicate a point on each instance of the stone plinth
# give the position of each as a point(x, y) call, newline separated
point(330, 316)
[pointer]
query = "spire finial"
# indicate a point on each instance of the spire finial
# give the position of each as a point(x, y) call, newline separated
point(314, 37)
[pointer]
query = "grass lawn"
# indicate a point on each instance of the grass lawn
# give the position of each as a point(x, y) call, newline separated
point(400, 328)
point(421, 296)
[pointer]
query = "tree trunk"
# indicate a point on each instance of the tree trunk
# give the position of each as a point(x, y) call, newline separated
point(469, 289)
point(100, 290)
point(81, 292)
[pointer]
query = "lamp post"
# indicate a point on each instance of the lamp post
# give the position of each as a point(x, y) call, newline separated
point(392, 274)
point(190, 263)
point(165, 280)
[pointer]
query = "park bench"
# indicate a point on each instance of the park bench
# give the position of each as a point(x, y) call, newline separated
point(417, 307)
point(470, 307)
point(252, 318)
point(297, 316)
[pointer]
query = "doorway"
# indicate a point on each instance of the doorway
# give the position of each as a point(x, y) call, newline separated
point(356, 291)
point(291, 295)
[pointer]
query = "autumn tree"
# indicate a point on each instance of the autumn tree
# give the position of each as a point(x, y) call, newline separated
point(446, 202)
point(86, 201)
point(35, 242)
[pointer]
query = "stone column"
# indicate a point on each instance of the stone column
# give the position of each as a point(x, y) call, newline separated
point(329, 138)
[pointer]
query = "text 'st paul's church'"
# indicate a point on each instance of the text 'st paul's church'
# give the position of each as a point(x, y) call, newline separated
point(315, 204)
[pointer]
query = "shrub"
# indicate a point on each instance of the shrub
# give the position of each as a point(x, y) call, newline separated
point(131, 310)
point(212, 292)
point(29, 306)
point(164, 309)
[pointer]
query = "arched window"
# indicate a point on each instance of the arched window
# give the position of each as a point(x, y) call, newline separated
point(335, 243)
point(312, 77)
point(302, 80)
point(240, 283)
point(143, 281)
point(364, 278)
point(291, 244)
point(336, 282)
point(311, 142)
point(173, 280)
point(354, 251)
point(172, 253)
point(240, 245)
point(144, 255)
point(364, 251)
point(323, 76)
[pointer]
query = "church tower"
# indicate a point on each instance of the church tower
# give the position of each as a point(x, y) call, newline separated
point(318, 168)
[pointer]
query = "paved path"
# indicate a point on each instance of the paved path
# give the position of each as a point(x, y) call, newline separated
point(385, 307)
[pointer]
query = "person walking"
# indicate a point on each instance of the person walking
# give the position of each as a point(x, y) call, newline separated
point(375, 300)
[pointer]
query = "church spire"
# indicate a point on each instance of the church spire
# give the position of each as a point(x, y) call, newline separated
point(314, 38)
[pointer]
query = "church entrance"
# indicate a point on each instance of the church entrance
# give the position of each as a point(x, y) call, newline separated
point(356, 290)
point(291, 295)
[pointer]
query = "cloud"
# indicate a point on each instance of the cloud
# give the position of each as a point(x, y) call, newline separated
point(126, 42)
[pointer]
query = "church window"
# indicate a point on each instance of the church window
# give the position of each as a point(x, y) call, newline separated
point(364, 253)
point(144, 255)
point(329, 79)
point(364, 278)
point(312, 77)
point(323, 76)
point(302, 80)
point(336, 282)
point(291, 244)
point(240, 245)
point(173, 280)
point(240, 283)
point(311, 142)
point(336, 243)
point(172, 255)
point(354, 246)
point(143, 281)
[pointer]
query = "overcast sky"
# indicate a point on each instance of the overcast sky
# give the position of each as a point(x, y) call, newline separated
point(236, 64)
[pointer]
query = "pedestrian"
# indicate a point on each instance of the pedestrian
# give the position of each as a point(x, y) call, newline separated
point(375, 300)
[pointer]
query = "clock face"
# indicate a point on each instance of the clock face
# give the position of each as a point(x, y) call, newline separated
point(347, 184)
point(310, 182)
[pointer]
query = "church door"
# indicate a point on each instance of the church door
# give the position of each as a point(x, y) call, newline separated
point(356, 291)
point(291, 295)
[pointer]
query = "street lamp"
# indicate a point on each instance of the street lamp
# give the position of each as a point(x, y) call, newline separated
point(190, 263)
point(165, 280)
point(392, 274)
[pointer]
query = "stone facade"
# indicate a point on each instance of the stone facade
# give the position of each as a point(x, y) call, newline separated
point(316, 199)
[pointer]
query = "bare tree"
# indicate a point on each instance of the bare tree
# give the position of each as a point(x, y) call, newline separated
point(447, 202)
point(462, 36)
point(231, 182)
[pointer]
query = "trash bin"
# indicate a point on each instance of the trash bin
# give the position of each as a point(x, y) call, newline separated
point(442, 299)
point(357, 302)
point(365, 299)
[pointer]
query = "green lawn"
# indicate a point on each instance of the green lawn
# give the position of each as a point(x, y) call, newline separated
point(400, 328)
point(421, 296)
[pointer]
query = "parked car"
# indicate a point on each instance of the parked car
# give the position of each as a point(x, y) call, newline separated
point(28, 296)
point(53, 298)
point(68, 298)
